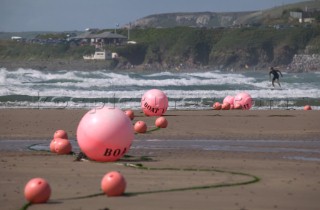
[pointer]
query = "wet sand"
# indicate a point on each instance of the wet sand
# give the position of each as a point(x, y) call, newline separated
point(284, 183)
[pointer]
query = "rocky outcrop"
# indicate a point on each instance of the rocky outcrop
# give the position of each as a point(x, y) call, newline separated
point(305, 63)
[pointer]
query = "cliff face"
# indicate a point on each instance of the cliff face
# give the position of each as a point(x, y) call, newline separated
point(200, 19)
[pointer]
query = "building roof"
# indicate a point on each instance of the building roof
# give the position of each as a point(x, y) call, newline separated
point(104, 35)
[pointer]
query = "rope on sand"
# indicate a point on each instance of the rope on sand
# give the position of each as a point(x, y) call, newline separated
point(251, 179)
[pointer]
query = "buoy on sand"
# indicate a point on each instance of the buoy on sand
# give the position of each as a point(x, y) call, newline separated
point(307, 107)
point(161, 122)
point(216, 106)
point(140, 127)
point(62, 146)
point(60, 134)
point(229, 99)
point(225, 106)
point(113, 184)
point(129, 113)
point(154, 103)
point(105, 134)
point(37, 190)
point(244, 99)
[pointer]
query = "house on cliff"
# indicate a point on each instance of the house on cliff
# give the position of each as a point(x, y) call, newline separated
point(99, 39)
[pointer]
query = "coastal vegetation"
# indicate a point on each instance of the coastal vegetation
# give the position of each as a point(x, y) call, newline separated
point(234, 40)
point(186, 47)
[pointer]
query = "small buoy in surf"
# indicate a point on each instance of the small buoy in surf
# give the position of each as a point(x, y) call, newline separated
point(228, 99)
point(62, 146)
point(225, 106)
point(113, 184)
point(37, 190)
point(129, 113)
point(307, 107)
point(244, 99)
point(105, 134)
point(154, 103)
point(60, 134)
point(140, 127)
point(161, 122)
point(216, 106)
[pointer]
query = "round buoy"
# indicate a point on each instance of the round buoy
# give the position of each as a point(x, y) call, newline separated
point(225, 106)
point(53, 145)
point(140, 127)
point(307, 107)
point(228, 99)
point(60, 134)
point(105, 134)
point(37, 190)
point(154, 103)
point(129, 113)
point(113, 184)
point(237, 106)
point(62, 146)
point(161, 122)
point(216, 106)
point(244, 99)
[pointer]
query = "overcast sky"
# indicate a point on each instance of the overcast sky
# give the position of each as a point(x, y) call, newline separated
point(66, 15)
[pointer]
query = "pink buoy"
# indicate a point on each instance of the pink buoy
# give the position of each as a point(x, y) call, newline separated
point(225, 106)
point(62, 146)
point(237, 106)
point(53, 145)
point(216, 106)
point(161, 122)
point(307, 107)
point(37, 190)
point(229, 99)
point(154, 103)
point(113, 184)
point(244, 99)
point(140, 127)
point(129, 113)
point(105, 134)
point(60, 134)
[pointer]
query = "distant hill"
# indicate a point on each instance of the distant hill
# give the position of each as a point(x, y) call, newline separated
point(225, 19)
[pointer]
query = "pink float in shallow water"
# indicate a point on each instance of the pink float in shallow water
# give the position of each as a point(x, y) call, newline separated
point(244, 100)
point(154, 103)
point(105, 134)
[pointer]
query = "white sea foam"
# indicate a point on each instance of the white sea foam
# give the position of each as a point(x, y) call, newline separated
point(178, 86)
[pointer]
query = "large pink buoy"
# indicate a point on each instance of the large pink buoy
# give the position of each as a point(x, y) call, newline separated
point(140, 127)
point(243, 99)
point(307, 107)
point(216, 106)
point(105, 134)
point(62, 146)
point(37, 190)
point(229, 99)
point(129, 113)
point(161, 122)
point(60, 134)
point(113, 184)
point(154, 103)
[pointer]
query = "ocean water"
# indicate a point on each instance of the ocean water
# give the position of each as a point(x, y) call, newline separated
point(28, 88)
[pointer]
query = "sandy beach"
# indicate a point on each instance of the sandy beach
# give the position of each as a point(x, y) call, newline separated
point(178, 177)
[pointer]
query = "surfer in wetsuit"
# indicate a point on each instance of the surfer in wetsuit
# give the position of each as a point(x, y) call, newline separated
point(275, 74)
